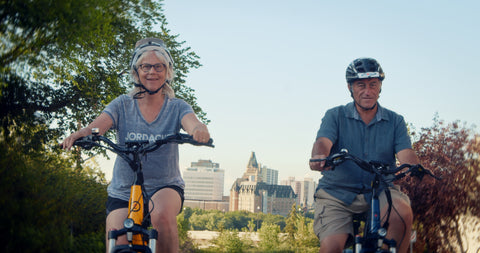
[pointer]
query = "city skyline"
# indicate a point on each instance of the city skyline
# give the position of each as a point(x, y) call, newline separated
point(107, 167)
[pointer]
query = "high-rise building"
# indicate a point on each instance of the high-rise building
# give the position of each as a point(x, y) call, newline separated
point(308, 186)
point(269, 176)
point(204, 181)
point(304, 189)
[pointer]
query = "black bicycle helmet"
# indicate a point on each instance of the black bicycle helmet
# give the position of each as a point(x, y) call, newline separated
point(364, 68)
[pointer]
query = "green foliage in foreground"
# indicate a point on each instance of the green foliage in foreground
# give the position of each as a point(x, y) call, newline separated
point(296, 236)
point(46, 205)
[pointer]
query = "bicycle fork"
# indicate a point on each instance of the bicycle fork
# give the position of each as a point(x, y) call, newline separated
point(136, 234)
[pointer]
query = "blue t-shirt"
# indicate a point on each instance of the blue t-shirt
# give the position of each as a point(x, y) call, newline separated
point(379, 141)
point(160, 167)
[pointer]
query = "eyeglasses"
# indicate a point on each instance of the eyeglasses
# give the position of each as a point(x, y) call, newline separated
point(159, 67)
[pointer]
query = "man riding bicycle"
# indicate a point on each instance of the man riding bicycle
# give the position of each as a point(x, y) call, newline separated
point(373, 133)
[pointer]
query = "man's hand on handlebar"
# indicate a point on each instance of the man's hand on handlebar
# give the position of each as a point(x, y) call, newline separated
point(317, 163)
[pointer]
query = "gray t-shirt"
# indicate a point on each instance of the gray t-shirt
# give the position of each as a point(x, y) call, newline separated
point(160, 167)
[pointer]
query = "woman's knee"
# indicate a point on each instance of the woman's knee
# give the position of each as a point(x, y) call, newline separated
point(116, 218)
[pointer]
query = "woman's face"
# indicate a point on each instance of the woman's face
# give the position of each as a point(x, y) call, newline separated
point(151, 71)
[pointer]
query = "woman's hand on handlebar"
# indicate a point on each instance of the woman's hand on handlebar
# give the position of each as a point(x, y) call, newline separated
point(102, 122)
point(201, 134)
point(70, 140)
point(195, 128)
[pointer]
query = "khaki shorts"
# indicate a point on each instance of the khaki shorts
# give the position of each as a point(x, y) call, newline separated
point(332, 216)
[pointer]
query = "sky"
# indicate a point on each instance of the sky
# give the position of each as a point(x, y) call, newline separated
point(270, 70)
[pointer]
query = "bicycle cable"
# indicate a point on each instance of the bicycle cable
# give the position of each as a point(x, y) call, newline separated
point(403, 222)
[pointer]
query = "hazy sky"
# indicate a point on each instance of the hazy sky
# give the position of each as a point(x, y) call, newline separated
point(272, 68)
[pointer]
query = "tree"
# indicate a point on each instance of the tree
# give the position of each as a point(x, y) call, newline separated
point(230, 241)
point(186, 243)
point(300, 235)
point(452, 152)
point(62, 61)
point(269, 237)
point(306, 240)
point(237, 220)
point(291, 224)
point(48, 206)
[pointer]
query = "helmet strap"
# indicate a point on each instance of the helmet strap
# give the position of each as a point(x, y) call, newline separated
point(139, 95)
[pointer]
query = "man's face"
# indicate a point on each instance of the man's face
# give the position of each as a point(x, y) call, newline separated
point(366, 92)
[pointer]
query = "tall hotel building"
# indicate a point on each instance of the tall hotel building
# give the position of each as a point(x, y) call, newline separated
point(204, 181)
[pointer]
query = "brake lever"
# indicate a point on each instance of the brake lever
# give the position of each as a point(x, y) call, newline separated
point(432, 175)
point(419, 171)
point(85, 142)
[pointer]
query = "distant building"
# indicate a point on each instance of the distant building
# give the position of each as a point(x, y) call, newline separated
point(253, 193)
point(269, 176)
point(308, 186)
point(208, 204)
point(257, 173)
point(304, 189)
point(204, 181)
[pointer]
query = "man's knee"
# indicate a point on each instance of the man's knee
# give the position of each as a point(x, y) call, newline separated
point(333, 243)
point(401, 213)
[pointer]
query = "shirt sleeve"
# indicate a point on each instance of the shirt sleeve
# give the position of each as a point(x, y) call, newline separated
point(184, 109)
point(329, 125)
point(112, 110)
point(402, 138)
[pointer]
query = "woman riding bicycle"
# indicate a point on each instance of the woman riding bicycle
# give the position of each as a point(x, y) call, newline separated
point(373, 133)
point(149, 112)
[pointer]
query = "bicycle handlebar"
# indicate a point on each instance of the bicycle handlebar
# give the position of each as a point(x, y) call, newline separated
point(375, 167)
point(138, 147)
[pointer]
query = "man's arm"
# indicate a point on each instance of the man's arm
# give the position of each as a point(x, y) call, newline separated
point(321, 149)
point(407, 156)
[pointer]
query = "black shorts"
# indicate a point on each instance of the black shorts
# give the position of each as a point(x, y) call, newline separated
point(114, 203)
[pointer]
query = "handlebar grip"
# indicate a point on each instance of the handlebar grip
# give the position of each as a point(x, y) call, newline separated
point(328, 162)
point(419, 171)
point(186, 138)
point(318, 160)
point(84, 142)
point(209, 143)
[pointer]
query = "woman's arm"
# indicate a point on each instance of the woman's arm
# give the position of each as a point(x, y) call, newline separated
point(194, 127)
point(102, 122)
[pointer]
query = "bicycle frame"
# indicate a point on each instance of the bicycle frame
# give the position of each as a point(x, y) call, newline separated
point(374, 232)
point(140, 238)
